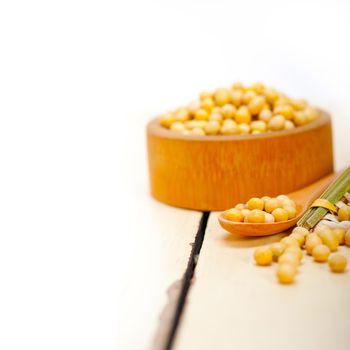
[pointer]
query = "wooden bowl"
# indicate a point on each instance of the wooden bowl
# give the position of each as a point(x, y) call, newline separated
point(217, 172)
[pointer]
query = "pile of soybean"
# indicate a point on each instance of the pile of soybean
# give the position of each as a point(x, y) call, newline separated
point(239, 109)
point(288, 253)
point(265, 209)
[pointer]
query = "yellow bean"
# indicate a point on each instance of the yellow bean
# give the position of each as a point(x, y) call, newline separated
point(291, 211)
point(237, 97)
point(272, 204)
point(337, 263)
point(286, 273)
point(290, 258)
point(328, 238)
point(285, 110)
point(280, 214)
point(276, 123)
point(265, 115)
point(344, 213)
point(212, 128)
point(256, 104)
point(299, 237)
point(263, 256)
point(167, 119)
point(321, 253)
point(256, 216)
point(243, 115)
point(301, 230)
point(295, 250)
point(248, 96)
point(311, 243)
point(289, 241)
point(208, 104)
point(240, 206)
point(201, 114)
point(228, 111)
point(340, 234)
point(255, 203)
point(198, 131)
point(178, 127)
point(222, 96)
point(277, 249)
point(234, 215)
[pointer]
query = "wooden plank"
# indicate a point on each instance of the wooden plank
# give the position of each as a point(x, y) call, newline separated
point(87, 255)
point(160, 246)
point(234, 304)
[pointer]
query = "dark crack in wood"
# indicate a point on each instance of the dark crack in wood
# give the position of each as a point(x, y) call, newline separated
point(177, 294)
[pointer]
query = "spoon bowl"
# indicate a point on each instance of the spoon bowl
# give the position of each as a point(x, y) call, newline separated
point(303, 199)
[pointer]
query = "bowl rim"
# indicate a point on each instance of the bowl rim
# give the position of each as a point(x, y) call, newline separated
point(155, 128)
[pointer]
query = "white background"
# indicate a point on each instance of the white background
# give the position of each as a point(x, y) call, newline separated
point(78, 82)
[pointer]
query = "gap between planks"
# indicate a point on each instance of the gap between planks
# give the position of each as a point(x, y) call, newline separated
point(179, 291)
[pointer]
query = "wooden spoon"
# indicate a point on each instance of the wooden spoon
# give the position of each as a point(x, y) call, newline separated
point(302, 198)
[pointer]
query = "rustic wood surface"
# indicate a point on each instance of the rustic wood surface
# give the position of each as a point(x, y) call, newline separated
point(215, 172)
point(148, 283)
point(234, 304)
point(86, 257)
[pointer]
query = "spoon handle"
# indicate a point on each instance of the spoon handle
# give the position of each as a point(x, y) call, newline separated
point(308, 194)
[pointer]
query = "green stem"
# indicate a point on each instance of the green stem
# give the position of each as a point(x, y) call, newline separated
point(334, 193)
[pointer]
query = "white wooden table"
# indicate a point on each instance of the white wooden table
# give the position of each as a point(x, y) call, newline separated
point(88, 260)
point(231, 303)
